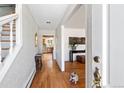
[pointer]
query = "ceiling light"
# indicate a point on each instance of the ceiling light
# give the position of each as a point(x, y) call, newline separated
point(48, 22)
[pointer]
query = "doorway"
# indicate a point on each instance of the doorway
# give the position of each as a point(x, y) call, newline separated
point(75, 44)
point(47, 43)
point(87, 56)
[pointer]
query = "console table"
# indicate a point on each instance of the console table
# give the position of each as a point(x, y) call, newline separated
point(38, 61)
point(71, 52)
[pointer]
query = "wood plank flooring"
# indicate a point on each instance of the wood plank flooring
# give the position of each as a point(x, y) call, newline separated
point(50, 75)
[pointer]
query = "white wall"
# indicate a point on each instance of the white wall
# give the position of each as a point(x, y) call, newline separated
point(42, 32)
point(24, 63)
point(72, 32)
point(116, 48)
point(59, 47)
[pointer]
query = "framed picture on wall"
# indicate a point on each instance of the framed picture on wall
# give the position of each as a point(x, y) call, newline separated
point(76, 40)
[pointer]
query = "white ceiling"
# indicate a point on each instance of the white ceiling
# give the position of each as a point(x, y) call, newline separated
point(48, 12)
point(77, 20)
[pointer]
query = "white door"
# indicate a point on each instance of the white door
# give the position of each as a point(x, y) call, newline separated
point(116, 48)
point(94, 41)
point(112, 71)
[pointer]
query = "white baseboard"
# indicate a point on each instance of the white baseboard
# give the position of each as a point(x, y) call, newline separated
point(30, 78)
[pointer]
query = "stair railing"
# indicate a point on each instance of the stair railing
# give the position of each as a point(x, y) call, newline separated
point(4, 20)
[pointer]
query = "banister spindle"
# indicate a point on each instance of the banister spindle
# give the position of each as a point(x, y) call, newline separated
point(11, 37)
point(0, 44)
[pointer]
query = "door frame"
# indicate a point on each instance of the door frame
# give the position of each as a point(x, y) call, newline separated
point(54, 50)
point(88, 26)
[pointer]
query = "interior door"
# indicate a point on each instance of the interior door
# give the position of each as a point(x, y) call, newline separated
point(94, 42)
point(116, 47)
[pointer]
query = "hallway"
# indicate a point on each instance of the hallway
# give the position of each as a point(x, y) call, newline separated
point(51, 77)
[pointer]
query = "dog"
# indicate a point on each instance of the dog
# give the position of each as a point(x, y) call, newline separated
point(73, 77)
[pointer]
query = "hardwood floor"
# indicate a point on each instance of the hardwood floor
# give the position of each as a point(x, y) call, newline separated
point(50, 75)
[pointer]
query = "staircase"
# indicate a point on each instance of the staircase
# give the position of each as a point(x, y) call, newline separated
point(5, 42)
point(7, 35)
point(10, 39)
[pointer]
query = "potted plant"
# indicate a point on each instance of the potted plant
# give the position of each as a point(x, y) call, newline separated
point(73, 46)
